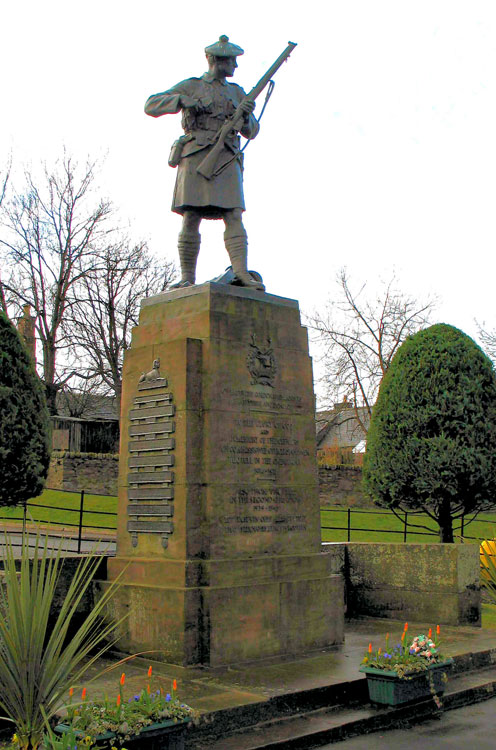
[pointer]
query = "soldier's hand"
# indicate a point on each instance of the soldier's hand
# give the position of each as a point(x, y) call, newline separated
point(188, 102)
point(246, 108)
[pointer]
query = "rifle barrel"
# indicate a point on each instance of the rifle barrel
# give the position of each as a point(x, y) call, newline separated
point(259, 87)
point(207, 167)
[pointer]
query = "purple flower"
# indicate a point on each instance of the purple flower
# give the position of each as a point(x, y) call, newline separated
point(168, 697)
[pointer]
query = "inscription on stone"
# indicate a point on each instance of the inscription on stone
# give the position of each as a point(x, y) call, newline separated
point(266, 401)
point(266, 444)
point(265, 510)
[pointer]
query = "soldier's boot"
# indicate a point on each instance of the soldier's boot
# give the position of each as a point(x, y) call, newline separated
point(237, 248)
point(188, 246)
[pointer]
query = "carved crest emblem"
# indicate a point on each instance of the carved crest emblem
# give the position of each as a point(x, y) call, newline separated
point(261, 363)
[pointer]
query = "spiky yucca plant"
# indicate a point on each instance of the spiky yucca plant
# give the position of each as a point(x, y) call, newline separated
point(38, 661)
point(488, 567)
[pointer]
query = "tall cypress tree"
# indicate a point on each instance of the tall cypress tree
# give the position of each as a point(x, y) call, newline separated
point(24, 421)
point(431, 445)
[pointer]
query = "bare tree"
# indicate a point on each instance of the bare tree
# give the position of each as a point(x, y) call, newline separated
point(105, 306)
point(50, 230)
point(359, 336)
point(83, 398)
point(4, 181)
point(488, 340)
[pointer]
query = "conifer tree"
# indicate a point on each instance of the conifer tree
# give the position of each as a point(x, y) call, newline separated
point(24, 421)
point(432, 440)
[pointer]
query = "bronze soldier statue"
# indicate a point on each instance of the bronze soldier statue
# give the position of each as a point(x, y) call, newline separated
point(206, 104)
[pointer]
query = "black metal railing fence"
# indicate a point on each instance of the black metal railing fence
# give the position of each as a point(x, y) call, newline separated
point(80, 512)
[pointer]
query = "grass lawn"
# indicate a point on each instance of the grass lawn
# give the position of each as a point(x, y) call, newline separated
point(489, 616)
point(366, 525)
point(382, 526)
point(63, 508)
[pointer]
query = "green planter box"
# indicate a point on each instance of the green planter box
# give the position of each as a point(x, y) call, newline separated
point(387, 688)
point(168, 735)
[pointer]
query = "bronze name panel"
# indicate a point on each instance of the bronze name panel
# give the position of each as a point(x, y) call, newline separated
point(151, 527)
point(154, 428)
point(140, 509)
point(152, 444)
point(150, 385)
point(150, 493)
point(147, 477)
point(167, 410)
point(161, 459)
point(153, 398)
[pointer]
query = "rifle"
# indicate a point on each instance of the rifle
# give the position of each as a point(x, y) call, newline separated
point(207, 167)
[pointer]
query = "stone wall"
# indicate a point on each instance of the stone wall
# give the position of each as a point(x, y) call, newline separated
point(92, 472)
point(342, 485)
point(431, 583)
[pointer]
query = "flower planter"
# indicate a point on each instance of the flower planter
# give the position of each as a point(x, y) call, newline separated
point(168, 735)
point(387, 688)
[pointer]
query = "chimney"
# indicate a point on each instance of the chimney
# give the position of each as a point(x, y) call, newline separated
point(25, 326)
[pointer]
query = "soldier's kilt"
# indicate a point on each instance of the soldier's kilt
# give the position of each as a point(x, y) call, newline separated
point(193, 191)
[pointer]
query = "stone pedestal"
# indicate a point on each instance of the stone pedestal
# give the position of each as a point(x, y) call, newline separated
point(219, 526)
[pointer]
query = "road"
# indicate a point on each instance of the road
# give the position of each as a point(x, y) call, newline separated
point(472, 726)
point(67, 544)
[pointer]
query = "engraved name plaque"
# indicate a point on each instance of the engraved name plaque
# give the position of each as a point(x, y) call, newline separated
point(150, 491)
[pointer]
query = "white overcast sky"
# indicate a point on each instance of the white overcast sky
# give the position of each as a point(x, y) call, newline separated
point(377, 150)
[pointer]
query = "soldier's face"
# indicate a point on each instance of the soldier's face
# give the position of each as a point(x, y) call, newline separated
point(222, 67)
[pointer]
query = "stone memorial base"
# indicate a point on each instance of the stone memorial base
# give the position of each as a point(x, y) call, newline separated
point(219, 525)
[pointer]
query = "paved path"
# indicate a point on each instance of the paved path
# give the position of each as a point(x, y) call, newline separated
point(469, 727)
point(69, 544)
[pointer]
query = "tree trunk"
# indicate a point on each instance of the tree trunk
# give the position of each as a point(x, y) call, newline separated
point(51, 397)
point(445, 522)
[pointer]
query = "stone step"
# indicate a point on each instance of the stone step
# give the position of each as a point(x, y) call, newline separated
point(305, 729)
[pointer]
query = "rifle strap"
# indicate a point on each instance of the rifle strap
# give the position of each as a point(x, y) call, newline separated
point(270, 89)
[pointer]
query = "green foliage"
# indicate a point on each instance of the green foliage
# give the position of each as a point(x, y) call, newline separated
point(488, 568)
point(54, 500)
point(24, 421)
point(38, 662)
point(432, 440)
point(403, 658)
point(124, 716)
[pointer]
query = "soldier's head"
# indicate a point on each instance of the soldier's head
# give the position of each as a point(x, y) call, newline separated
point(221, 57)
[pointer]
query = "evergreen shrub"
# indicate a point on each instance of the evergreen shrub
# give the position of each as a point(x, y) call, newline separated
point(24, 421)
point(431, 445)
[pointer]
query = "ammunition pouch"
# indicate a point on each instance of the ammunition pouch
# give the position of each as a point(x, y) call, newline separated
point(176, 151)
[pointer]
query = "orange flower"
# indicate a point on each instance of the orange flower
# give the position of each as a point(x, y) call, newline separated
point(403, 635)
point(438, 630)
point(123, 678)
point(83, 694)
point(71, 692)
point(119, 700)
point(370, 648)
point(430, 633)
point(406, 627)
point(379, 652)
point(174, 685)
point(149, 671)
point(148, 689)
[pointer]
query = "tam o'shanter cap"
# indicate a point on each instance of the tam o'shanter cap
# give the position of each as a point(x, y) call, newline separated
point(224, 48)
